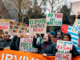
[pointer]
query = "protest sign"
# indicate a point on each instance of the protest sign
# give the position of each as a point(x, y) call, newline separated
point(37, 25)
point(26, 44)
point(18, 55)
point(63, 50)
point(61, 56)
point(18, 29)
point(76, 26)
point(75, 7)
point(54, 19)
point(4, 24)
point(64, 46)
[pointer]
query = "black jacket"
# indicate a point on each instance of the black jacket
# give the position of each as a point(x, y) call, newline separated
point(49, 50)
point(74, 51)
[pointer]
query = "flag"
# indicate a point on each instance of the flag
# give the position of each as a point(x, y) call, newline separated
point(64, 28)
point(74, 38)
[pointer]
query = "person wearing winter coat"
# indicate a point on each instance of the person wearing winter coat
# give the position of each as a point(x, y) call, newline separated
point(14, 44)
point(5, 42)
point(47, 48)
point(67, 37)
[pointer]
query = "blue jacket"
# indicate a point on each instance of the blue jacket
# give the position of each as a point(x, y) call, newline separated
point(49, 50)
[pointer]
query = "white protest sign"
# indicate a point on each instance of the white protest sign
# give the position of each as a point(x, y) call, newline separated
point(63, 50)
point(37, 25)
point(76, 26)
point(64, 46)
point(26, 44)
point(54, 19)
point(4, 24)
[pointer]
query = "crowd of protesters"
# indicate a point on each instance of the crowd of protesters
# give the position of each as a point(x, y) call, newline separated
point(45, 44)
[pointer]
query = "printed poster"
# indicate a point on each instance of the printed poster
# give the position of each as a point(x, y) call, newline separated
point(37, 26)
point(26, 44)
point(18, 29)
point(54, 19)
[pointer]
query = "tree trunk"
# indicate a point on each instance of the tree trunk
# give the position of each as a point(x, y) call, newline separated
point(20, 13)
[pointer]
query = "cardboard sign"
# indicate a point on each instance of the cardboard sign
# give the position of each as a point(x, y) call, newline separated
point(54, 19)
point(18, 29)
point(4, 24)
point(26, 44)
point(76, 26)
point(64, 46)
point(75, 7)
point(63, 50)
point(37, 25)
point(61, 56)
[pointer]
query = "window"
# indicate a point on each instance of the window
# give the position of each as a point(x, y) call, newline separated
point(44, 3)
point(44, 9)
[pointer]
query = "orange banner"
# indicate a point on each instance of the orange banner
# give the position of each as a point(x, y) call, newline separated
point(19, 55)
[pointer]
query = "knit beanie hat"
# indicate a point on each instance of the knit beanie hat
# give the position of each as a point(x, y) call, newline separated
point(52, 32)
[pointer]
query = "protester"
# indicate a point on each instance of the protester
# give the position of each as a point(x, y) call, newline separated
point(5, 42)
point(59, 35)
point(47, 48)
point(14, 44)
point(28, 35)
point(53, 34)
point(67, 37)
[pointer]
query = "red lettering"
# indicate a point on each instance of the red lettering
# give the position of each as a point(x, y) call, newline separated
point(58, 15)
point(58, 47)
point(3, 27)
point(38, 30)
point(65, 57)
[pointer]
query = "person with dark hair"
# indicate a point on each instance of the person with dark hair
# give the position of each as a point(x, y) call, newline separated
point(53, 34)
point(5, 42)
point(47, 48)
point(59, 35)
point(67, 37)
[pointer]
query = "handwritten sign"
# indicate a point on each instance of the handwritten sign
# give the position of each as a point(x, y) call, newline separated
point(18, 29)
point(61, 56)
point(26, 44)
point(37, 25)
point(64, 46)
point(54, 19)
point(76, 26)
point(4, 24)
point(63, 50)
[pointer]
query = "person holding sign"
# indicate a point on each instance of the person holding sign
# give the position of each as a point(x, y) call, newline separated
point(67, 37)
point(47, 48)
